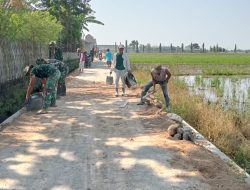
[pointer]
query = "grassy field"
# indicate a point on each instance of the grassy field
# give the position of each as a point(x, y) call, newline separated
point(194, 58)
point(196, 63)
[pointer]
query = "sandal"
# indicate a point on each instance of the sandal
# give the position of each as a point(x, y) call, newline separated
point(43, 111)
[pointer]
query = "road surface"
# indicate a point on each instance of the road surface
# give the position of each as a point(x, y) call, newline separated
point(95, 141)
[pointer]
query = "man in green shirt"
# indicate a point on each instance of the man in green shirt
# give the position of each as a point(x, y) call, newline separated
point(120, 66)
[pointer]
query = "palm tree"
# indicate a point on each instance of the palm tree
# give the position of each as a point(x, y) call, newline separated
point(89, 19)
point(74, 15)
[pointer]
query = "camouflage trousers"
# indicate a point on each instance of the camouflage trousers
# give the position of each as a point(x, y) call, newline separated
point(61, 88)
point(51, 89)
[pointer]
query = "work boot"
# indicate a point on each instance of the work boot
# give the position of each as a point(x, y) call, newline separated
point(63, 93)
point(123, 91)
point(53, 104)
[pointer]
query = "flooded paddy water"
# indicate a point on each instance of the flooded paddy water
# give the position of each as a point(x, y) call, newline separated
point(231, 92)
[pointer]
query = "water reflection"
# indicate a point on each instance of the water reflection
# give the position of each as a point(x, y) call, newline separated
point(230, 92)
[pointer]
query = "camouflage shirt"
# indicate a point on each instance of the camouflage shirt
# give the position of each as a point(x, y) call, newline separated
point(43, 70)
point(62, 67)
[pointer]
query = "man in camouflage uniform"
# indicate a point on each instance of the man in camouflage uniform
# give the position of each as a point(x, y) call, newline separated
point(49, 75)
point(55, 52)
point(64, 69)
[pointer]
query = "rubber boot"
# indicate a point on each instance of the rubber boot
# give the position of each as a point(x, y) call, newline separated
point(63, 90)
point(116, 92)
point(53, 104)
point(123, 91)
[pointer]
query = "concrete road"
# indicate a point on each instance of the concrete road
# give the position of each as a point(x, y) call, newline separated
point(94, 141)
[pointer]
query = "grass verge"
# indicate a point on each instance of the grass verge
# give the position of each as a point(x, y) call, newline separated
point(226, 129)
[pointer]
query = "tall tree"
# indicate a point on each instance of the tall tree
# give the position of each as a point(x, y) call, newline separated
point(74, 15)
point(134, 44)
point(235, 48)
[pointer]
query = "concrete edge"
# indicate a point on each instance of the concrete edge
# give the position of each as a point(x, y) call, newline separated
point(12, 118)
point(202, 141)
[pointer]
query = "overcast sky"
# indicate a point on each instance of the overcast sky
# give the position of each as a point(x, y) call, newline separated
point(222, 22)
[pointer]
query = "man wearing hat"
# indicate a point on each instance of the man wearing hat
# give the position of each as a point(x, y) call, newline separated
point(55, 52)
point(120, 66)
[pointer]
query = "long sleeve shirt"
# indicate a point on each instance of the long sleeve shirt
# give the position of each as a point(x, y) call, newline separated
point(126, 62)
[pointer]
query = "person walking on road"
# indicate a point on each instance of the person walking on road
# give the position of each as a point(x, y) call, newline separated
point(82, 60)
point(160, 75)
point(49, 75)
point(108, 56)
point(120, 66)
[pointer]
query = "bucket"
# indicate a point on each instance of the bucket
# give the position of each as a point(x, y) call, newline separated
point(35, 102)
point(109, 80)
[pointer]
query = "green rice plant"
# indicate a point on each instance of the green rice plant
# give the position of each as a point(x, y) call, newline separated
point(199, 81)
point(206, 64)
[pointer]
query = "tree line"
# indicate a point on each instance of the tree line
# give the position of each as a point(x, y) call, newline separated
point(47, 20)
point(135, 46)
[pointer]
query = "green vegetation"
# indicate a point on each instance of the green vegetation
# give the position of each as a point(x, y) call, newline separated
point(75, 16)
point(196, 63)
point(195, 58)
point(226, 129)
point(62, 21)
point(35, 26)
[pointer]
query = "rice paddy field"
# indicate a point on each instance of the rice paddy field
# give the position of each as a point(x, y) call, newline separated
point(227, 129)
point(195, 63)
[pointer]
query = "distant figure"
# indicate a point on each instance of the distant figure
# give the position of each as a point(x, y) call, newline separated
point(82, 60)
point(120, 66)
point(160, 75)
point(108, 56)
point(100, 55)
point(52, 50)
point(92, 53)
point(55, 52)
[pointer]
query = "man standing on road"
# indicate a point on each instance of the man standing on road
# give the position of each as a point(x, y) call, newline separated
point(120, 66)
point(55, 52)
point(160, 75)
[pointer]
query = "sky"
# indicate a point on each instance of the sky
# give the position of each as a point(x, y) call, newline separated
point(222, 22)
